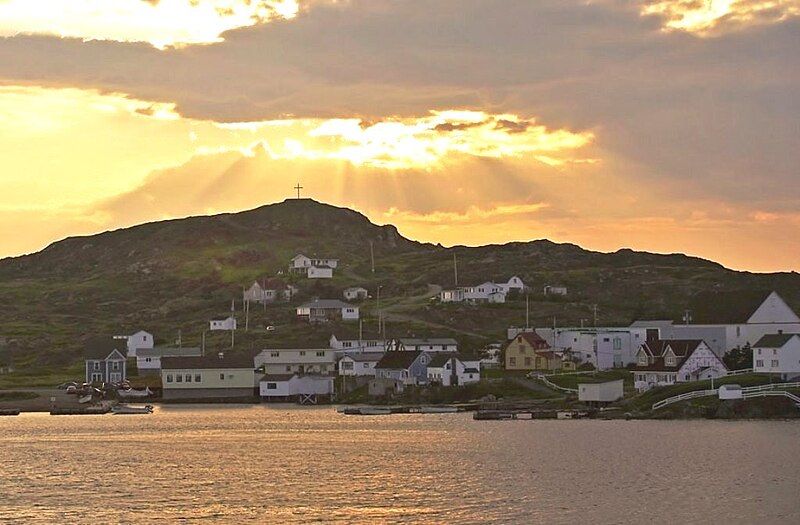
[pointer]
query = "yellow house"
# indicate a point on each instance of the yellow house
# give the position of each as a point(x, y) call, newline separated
point(528, 351)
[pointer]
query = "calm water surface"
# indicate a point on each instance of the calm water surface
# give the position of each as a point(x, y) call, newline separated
point(279, 464)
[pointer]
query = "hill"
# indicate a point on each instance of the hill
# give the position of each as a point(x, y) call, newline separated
point(171, 277)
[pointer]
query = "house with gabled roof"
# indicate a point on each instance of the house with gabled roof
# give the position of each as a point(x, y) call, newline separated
point(426, 344)
point(408, 367)
point(528, 351)
point(322, 310)
point(728, 320)
point(105, 360)
point(359, 363)
point(661, 362)
point(452, 370)
point(778, 354)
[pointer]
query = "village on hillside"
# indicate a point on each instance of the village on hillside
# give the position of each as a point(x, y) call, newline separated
point(752, 350)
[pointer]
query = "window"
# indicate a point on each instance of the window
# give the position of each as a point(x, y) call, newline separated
point(188, 378)
point(272, 386)
point(302, 352)
point(321, 353)
point(606, 339)
point(347, 365)
point(96, 365)
point(759, 362)
point(323, 368)
point(148, 359)
point(759, 351)
point(169, 378)
point(222, 377)
point(96, 378)
point(365, 365)
point(288, 368)
point(512, 361)
point(617, 343)
point(775, 363)
point(774, 351)
point(527, 361)
point(669, 361)
point(198, 378)
point(115, 365)
point(275, 354)
point(178, 378)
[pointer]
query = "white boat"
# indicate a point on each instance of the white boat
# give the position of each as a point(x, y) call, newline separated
point(127, 409)
point(85, 399)
point(438, 410)
point(135, 393)
point(571, 414)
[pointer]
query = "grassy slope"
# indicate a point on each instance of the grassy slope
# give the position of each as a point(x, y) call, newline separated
point(173, 276)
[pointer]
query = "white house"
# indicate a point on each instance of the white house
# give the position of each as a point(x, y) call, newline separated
point(303, 388)
point(140, 339)
point(452, 296)
point(229, 323)
point(355, 293)
point(515, 283)
point(323, 310)
point(319, 272)
point(299, 360)
point(359, 364)
point(728, 320)
point(352, 343)
point(600, 393)
point(666, 362)
point(451, 370)
point(434, 344)
point(269, 291)
point(148, 360)
point(603, 347)
point(316, 268)
point(778, 354)
point(555, 290)
point(485, 292)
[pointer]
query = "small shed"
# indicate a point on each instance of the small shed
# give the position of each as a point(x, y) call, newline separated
point(730, 392)
point(600, 393)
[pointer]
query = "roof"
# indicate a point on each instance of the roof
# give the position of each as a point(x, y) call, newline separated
point(438, 360)
point(398, 360)
point(655, 323)
point(680, 347)
point(326, 304)
point(533, 339)
point(351, 333)
point(277, 378)
point(168, 351)
point(774, 340)
point(431, 341)
point(101, 347)
point(208, 362)
point(355, 289)
point(472, 370)
point(726, 307)
point(298, 256)
point(365, 357)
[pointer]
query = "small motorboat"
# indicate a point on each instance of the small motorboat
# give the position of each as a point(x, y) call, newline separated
point(85, 399)
point(438, 410)
point(127, 409)
point(571, 414)
point(130, 392)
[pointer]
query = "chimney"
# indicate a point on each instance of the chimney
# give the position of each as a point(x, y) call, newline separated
point(221, 355)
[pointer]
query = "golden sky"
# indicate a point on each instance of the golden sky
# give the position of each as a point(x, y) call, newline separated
point(663, 125)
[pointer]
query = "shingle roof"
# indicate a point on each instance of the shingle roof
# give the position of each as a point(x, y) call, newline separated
point(101, 347)
point(774, 340)
point(166, 351)
point(208, 361)
point(398, 360)
point(364, 357)
point(277, 378)
point(682, 348)
point(534, 339)
point(439, 359)
point(431, 341)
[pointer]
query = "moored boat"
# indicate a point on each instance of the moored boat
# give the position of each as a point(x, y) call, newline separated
point(127, 409)
point(438, 410)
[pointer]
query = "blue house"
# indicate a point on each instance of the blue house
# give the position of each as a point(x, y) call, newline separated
point(411, 368)
point(105, 360)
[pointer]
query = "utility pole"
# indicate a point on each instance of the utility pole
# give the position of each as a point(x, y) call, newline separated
point(233, 321)
point(380, 313)
point(203, 344)
point(595, 315)
point(455, 268)
point(527, 312)
point(372, 255)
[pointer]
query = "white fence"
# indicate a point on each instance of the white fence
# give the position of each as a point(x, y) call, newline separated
point(754, 390)
point(765, 393)
point(543, 379)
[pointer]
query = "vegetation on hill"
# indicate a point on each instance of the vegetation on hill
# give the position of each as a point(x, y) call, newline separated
point(171, 277)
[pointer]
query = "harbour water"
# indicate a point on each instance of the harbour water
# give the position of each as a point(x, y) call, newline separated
point(228, 464)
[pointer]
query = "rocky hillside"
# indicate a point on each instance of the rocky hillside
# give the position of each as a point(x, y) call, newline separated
point(170, 277)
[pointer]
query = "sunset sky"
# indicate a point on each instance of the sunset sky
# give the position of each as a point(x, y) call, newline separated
point(659, 125)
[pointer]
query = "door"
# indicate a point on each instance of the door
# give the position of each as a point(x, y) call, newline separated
point(115, 377)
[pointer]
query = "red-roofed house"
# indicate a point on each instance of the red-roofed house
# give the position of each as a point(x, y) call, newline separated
point(528, 351)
